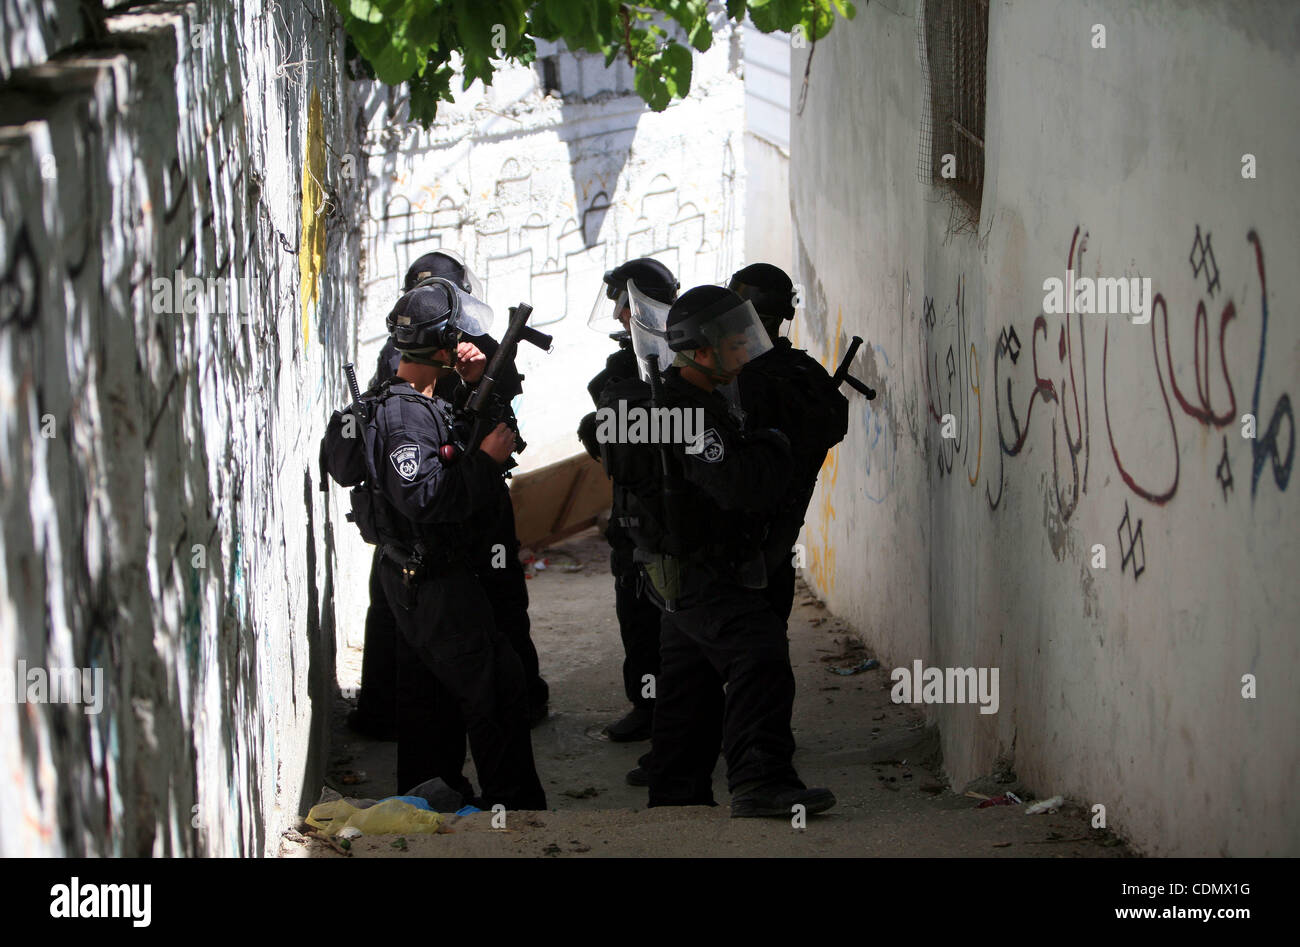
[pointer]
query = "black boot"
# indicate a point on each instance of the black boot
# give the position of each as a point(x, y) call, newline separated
point(779, 800)
point(636, 725)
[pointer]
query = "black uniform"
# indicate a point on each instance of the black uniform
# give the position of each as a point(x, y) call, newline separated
point(446, 619)
point(507, 591)
point(785, 388)
point(638, 617)
point(722, 631)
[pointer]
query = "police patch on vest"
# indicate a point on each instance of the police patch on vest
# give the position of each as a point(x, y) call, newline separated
point(712, 450)
point(406, 461)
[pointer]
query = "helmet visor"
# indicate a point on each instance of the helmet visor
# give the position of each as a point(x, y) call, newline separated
point(649, 316)
point(473, 316)
point(435, 314)
point(736, 337)
point(606, 312)
point(475, 284)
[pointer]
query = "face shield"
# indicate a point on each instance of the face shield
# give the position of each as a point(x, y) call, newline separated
point(649, 316)
point(736, 336)
point(607, 310)
point(436, 314)
point(473, 316)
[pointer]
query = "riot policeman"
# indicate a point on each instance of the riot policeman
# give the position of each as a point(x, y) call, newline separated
point(638, 617)
point(699, 543)
point(785, 388)
point(423, 515)
point(506, 586)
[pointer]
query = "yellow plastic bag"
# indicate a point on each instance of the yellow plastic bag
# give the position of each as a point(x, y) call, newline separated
point(390, 817)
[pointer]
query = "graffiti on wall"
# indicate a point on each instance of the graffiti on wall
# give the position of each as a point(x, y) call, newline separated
point(952, 384)
point(821, 545)
point(560, 257)
point(1043, 368)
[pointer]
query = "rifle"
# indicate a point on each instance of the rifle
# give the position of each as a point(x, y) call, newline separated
point(842, 373)
point(483, 411)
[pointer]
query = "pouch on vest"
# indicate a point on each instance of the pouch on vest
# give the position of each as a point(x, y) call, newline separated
point(664, 573)
point(342, 449)
point(363, 514)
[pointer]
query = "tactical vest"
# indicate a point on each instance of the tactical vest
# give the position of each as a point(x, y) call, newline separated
point(684, 557)
point(347, 455)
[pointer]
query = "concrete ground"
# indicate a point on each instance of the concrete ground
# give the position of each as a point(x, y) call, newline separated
point(877, 757)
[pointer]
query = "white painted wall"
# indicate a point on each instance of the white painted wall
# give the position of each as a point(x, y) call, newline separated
point(768, 237)
point(1118, 687)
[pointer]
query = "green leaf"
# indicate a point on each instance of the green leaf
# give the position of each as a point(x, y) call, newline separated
point(778, 15)
point(702, 36)
point(677, 63)
point(664, 75)
point(364, 10)
point(412, 41)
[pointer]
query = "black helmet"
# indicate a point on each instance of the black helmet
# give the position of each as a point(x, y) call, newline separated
point(767, 287)
point(696, 308)
point(716, 318)
point(652, 278)
point(433, 316)
point(709, 315)
point(445, 264)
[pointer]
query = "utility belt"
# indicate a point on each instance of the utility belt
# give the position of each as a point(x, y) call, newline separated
point(419, 561)
point(671, 579)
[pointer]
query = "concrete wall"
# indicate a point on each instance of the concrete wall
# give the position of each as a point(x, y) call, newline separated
point(159, 518)
point(1120, 686)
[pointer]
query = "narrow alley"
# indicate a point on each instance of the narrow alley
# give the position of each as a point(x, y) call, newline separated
point(444, 429)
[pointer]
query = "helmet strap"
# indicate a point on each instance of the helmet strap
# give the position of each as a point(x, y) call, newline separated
point(419, 359)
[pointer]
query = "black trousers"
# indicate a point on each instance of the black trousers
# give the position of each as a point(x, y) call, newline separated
point(507, 590)
point(638, 626)
point(446, 621)
point(780, 589)
point(732, 636)
point(377, 699)
point(441, 751)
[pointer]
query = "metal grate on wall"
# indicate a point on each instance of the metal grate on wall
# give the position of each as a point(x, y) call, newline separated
point(952, 43)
